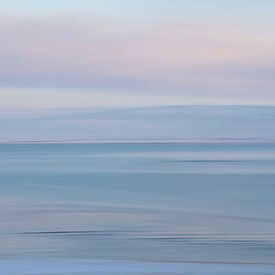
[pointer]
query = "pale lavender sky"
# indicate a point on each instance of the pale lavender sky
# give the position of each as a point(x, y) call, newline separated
point(74, 54)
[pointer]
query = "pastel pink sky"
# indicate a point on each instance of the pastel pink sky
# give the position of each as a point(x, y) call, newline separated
point(58, 59)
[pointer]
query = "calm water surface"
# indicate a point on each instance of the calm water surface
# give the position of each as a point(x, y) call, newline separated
point(192, 203)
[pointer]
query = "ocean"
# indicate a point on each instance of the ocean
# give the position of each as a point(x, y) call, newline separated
point(139, 208)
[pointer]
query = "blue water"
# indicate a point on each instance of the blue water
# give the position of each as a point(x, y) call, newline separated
point(191, 203)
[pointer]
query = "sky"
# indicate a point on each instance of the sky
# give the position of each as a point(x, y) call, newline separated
point(117, 53)
point(136, 53)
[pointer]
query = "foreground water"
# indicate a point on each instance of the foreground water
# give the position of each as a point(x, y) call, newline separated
point(180, 203)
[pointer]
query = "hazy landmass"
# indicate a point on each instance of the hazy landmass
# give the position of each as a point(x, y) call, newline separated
point(143, 124)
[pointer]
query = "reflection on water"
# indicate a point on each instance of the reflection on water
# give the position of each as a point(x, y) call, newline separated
point(211, 203)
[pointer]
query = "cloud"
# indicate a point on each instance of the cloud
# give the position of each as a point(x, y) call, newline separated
point(102, 53)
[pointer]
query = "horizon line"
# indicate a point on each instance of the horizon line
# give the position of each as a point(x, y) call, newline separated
point(144, 141)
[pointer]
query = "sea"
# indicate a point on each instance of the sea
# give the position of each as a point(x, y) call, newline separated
point(137, 208)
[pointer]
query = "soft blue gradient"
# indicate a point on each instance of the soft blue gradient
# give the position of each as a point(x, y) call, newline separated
point(210, 203)
point(87, 267)
point(137, 137)
point(253, 11)
point(163, 123)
